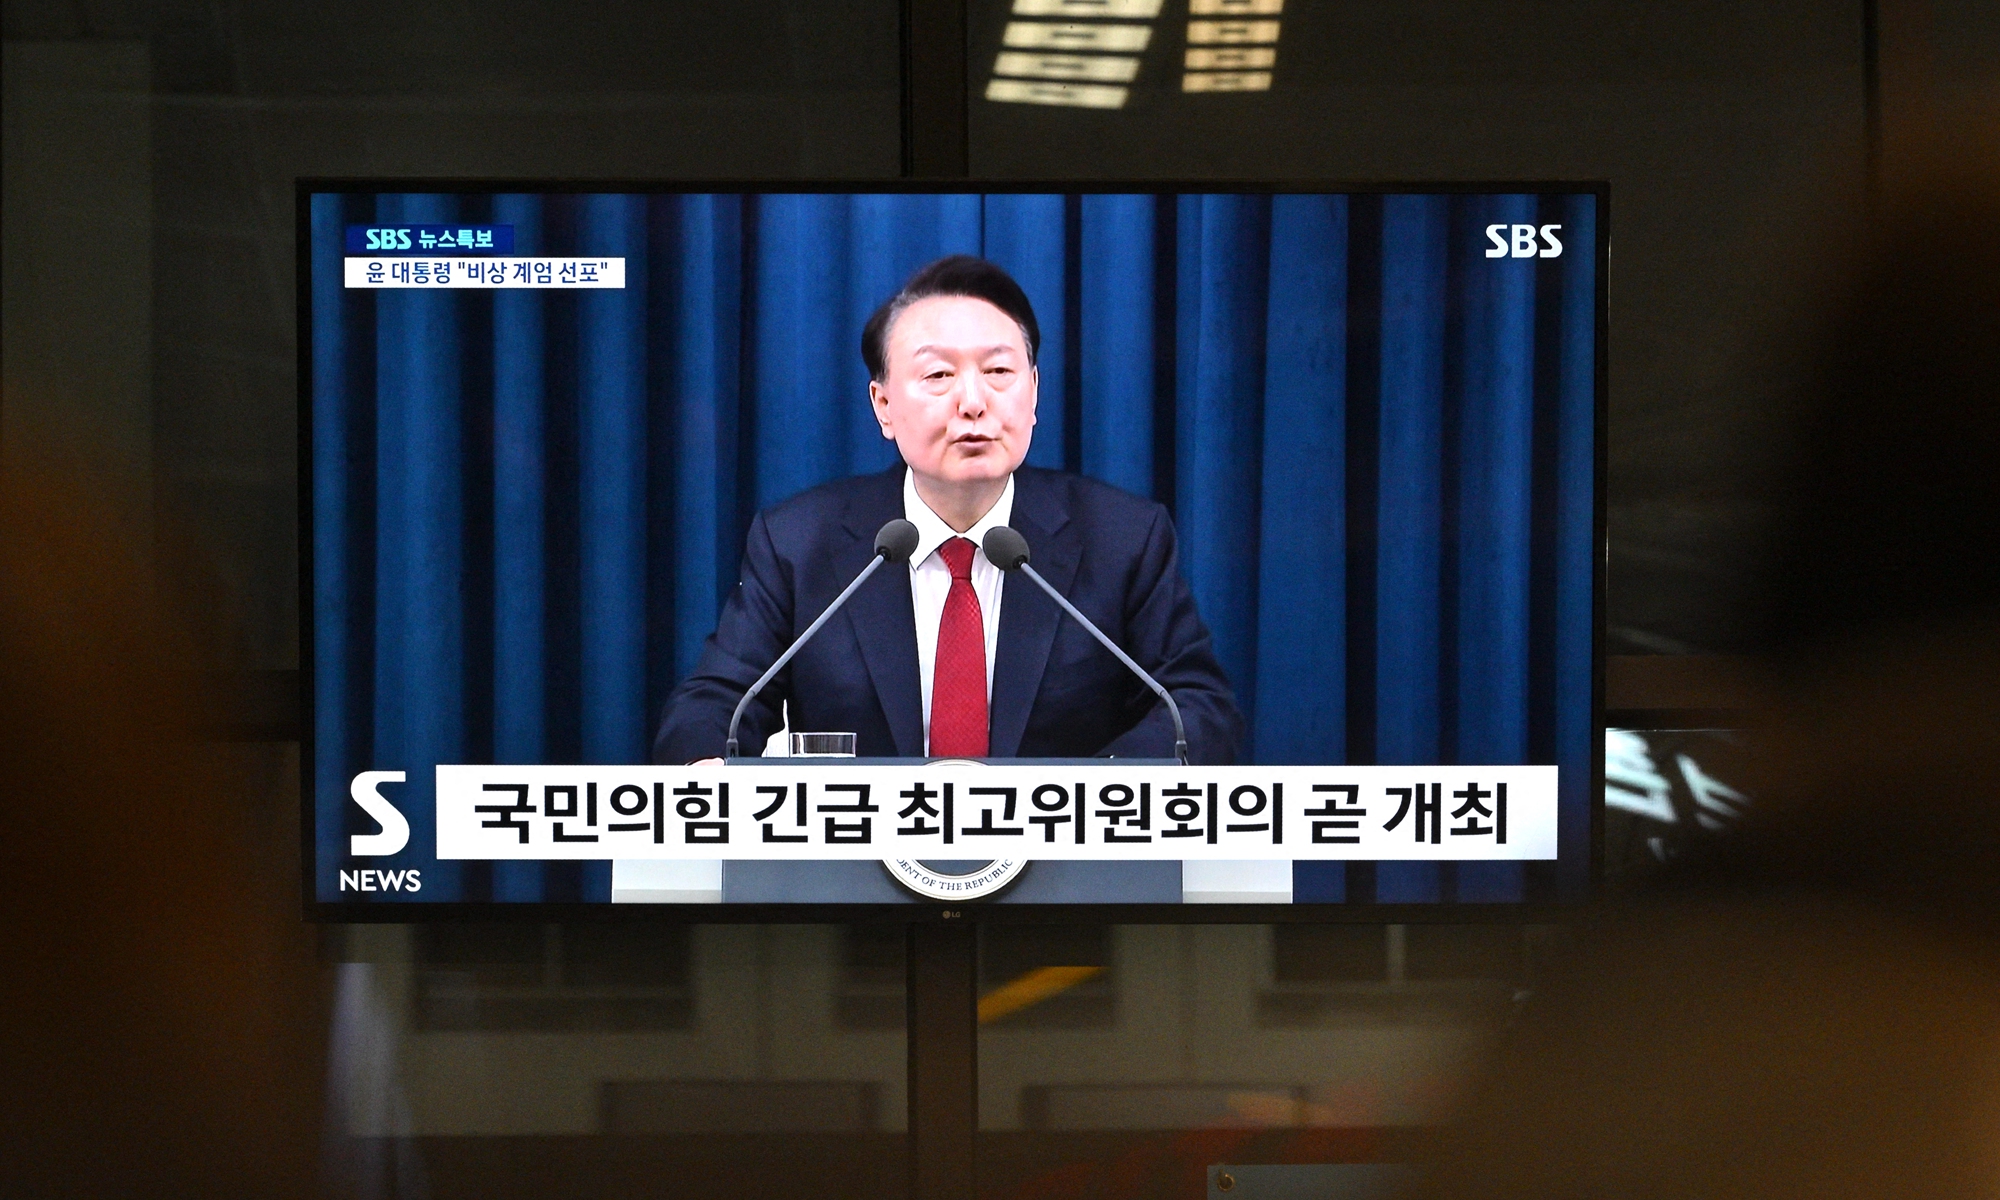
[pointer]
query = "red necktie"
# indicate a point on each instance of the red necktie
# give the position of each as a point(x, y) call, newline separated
point(958, 684)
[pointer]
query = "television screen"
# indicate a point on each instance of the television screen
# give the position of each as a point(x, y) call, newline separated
point(734, 552)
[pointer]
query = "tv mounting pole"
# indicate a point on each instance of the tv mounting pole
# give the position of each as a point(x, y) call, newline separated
point(942, 949)
point(934, 93)
point(943, 1047)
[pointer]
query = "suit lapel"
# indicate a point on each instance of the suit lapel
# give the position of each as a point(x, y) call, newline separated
point(1028, 618)
point(880, 617)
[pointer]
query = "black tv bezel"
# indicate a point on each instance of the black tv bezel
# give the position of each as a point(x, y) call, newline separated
point(320, 911)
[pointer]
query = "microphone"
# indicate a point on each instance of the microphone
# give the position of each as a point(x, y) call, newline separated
point(894, 542)
point(1008, 550)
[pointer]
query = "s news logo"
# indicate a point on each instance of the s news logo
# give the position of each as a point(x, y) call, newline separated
point(395, 829)
point(1518, 241)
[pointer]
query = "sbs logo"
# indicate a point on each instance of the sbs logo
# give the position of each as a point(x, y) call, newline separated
point(1519, 241)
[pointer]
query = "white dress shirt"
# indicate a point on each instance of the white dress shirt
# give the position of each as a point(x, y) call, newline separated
point(930, 582)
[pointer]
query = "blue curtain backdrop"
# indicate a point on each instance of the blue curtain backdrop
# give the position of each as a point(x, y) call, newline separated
point(1377, 442)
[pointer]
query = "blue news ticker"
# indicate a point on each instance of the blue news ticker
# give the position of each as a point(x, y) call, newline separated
point(430, 239)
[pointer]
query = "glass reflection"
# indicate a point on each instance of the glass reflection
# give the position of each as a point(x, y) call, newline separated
point(1666, 792)
point(480, 1059)
point(1168, 1049)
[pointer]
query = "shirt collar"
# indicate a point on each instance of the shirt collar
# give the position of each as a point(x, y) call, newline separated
point(932, 532)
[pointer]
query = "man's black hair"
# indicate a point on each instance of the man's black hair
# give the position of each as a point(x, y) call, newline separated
point(957, 275)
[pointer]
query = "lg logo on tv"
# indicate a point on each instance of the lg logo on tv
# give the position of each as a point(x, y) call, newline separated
point(1519, 241)
point(388, 239)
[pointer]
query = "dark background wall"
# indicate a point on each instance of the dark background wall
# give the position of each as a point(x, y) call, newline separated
point(1734, 137)
point(150, 149)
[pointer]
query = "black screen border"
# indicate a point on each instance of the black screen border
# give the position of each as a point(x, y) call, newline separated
point(930, 912)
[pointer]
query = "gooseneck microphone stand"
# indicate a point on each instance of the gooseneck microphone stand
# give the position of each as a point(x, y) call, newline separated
point(1008, 550)
point(894, 542)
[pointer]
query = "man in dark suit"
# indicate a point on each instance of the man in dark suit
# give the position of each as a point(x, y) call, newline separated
point(949, 657)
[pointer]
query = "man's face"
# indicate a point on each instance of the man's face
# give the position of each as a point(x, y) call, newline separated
point(958, 394)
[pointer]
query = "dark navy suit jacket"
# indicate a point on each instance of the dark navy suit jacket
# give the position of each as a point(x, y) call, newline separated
point(1056, 692)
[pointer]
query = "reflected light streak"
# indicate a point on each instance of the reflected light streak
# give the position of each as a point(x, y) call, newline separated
point(1031, 989)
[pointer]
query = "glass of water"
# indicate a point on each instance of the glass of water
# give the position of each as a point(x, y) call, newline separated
point(823, 745)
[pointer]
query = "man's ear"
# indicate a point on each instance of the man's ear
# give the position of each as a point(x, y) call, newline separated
point(878, 399)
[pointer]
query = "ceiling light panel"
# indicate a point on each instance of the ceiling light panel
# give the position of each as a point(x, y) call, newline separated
point(1227, 81)
point(1074, 95)
point(1098, 68)
point(1112, 39)
point(1109, 10)
point(1230, 33)
point(1231, 58)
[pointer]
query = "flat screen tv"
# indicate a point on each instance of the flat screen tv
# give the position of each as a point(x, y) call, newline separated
point(615, 497)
